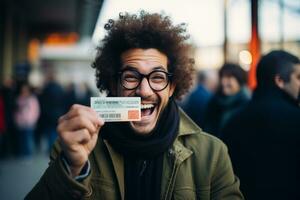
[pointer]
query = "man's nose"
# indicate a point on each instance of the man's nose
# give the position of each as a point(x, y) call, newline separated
point(144, 89)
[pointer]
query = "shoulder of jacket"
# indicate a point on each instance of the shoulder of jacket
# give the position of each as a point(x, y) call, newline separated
point(192, 136)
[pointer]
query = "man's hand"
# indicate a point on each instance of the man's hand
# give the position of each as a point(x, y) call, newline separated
point(78, 133)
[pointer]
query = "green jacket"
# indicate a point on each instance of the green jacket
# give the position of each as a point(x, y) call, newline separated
point(196, 167)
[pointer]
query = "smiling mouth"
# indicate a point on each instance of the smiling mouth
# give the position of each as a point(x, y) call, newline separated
point(147, 109)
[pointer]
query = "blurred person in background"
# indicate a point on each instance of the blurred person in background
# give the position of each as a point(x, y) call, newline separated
point(196, 102)
point(162, 156)
point(70, 96)
point(26, 116)
point(39, 130)
point(231, 96)
point(263, 139)
point(2, 123)
point(83, 94)
point(10, 143)
point(79, 93)
point(52, 107)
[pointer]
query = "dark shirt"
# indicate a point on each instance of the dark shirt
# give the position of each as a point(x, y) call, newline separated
point(263, 141)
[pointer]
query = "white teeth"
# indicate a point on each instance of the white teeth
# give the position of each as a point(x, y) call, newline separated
point(146, 106)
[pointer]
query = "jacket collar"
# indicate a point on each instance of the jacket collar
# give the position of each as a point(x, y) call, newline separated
point(186, 125)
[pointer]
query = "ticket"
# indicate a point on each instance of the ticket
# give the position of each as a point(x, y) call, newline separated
point(115, 109)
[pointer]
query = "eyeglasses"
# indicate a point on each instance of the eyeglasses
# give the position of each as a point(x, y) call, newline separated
point(158, 80)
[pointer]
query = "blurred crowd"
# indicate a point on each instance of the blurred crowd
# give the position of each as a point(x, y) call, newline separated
point(216, 97)
point(261, 128)
point(28, 115)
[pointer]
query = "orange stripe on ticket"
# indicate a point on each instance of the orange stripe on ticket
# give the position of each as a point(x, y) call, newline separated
point(133, 114)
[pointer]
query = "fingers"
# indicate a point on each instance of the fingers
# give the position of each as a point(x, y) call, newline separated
point(77, 123)
point(80, 117)
point(80, 110)
point(72, 138)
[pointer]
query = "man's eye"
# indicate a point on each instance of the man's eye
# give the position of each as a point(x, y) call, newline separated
point(158, 78)
point(158, 75)
point(131, 78)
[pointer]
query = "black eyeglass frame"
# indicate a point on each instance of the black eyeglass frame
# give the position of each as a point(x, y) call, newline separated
point(142, 76)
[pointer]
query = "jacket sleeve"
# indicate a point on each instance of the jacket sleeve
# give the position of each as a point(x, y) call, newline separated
point(56, 184)
point(225, 185)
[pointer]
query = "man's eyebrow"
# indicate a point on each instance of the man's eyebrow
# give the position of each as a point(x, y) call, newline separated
point(160, 68)
point(128, 67)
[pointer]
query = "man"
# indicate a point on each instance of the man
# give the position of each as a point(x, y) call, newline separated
point(263, 139)
point(163, 156)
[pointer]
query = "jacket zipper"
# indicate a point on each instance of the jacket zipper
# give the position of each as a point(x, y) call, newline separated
point(143, 168)
point(170, 187)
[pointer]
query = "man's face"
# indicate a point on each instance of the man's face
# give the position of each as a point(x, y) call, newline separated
point(153, 102)
point(293, 86)
point(230, 86)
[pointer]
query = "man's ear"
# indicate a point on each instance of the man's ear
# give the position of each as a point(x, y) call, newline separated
point(279, 82)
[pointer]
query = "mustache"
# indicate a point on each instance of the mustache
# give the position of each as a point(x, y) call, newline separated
point(151, 98)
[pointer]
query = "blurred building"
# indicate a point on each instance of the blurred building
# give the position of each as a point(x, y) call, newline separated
point(47, 34)
point(63, 34)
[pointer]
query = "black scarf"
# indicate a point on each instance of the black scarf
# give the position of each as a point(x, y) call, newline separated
point(143, 155)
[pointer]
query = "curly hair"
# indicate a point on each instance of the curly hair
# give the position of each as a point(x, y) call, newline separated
point(145, 31)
